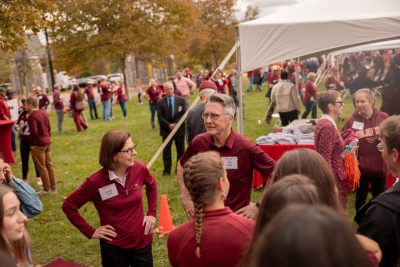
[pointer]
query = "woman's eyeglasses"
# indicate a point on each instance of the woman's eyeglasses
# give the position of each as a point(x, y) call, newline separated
point(339, 102)
point(130, 150)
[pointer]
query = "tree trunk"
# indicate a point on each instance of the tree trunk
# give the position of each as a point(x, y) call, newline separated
point(123, 67)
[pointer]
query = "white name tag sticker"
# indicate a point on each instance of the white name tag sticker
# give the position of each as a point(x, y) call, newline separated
point(358, 125)
point(108, 191)
point(230, 163)
point(179, 108)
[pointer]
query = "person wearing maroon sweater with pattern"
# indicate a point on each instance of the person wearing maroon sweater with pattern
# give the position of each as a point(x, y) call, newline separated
point(39, 127)
point(328, 141)
point(215, 236)
point(125, 232)
point(240, 155)
point(365, 123)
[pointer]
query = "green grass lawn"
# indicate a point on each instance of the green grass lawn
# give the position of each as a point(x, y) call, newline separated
point(75, 156)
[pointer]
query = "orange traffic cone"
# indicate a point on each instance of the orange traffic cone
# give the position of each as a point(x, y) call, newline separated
point(165, 222)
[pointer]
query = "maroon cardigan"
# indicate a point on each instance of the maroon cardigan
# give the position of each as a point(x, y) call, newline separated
point(329, 143)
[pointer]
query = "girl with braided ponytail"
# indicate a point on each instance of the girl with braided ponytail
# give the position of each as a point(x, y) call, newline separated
point(216, 236)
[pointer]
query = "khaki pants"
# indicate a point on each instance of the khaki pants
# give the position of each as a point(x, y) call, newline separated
point(42, 158)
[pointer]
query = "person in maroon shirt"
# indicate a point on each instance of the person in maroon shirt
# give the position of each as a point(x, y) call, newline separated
point(59, 107)
point(153, 94)
point(106, 102)
point(125, 232)
point(365, 123)
point(77, 104)
point(39, 127)
point(121, 96)
point(91, 101)
point(215, 236)
point(239, 154)
point(310, 97)
point(328, 141)
point(44, 101)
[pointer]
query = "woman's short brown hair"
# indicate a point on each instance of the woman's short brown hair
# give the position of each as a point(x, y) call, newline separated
point(326, 98)
point(111, 144)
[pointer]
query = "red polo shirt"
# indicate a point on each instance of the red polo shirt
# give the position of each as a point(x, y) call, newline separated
point(238, 149)
point(224, 240)
point(124, 211)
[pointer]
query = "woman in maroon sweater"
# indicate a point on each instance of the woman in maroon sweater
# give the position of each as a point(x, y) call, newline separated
point(328, 141)
point(116, 192)
point(365, 123)
point(215, 236)
point(77, 105)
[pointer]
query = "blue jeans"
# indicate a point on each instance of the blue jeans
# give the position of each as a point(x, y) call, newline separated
point(123, 108)
point(105, 110)
point(93, 109)
point(153, 110)
point(250, 86)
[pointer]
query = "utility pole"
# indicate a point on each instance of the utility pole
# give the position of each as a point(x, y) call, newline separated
point(50, 60)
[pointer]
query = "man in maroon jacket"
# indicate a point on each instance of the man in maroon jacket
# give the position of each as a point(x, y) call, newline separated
point(39, 127)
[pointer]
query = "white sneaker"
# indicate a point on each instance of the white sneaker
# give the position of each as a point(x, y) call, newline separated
point(39, 181)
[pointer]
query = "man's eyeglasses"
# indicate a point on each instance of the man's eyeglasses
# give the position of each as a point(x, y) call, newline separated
point(379, 146)
point(213, 116)
point(129, 150)
point(339, 102)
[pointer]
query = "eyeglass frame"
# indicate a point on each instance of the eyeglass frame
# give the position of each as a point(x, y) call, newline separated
point(129, 150)
point(210, 115)
point(339, 102)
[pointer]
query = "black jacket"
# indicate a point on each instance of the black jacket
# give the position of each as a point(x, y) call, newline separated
point(379, 220)
point(165, 117)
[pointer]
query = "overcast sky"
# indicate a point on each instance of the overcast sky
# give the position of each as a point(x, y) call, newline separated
point(266, 6)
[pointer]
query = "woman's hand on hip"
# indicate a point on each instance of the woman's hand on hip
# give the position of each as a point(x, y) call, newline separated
point(106, 232)
point(148, 223)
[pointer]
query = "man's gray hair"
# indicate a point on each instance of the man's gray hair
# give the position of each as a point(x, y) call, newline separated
point(226, 101)
point(169, 84)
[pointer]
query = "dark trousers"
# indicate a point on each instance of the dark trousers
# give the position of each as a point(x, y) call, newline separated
point(287, 117)
point(180, 148)
point(377, 187)
point(153, 110)
point(25, 150)
point(310, 107)
point(112, 256)
point(93, 109)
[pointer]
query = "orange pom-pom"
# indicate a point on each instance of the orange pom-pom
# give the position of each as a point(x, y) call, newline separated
point(351, 170)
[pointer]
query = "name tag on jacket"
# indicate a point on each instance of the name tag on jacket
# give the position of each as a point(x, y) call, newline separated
point(108, 191)
point(230, 163)
point(358, 125)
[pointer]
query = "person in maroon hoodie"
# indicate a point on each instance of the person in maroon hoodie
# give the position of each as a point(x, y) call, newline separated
point(328, 141)
point(125, 232)
point(215, 236)
point(365, 123)
point(77, 105)
point(39, 127)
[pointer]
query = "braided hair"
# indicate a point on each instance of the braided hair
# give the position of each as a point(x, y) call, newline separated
point(201, 175)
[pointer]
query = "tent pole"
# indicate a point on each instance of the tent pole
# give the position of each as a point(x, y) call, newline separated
point(240, 86)
point(183, 118)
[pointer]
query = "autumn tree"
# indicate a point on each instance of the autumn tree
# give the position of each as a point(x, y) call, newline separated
point(17, 16)
point(252, 12)
point(85, 30)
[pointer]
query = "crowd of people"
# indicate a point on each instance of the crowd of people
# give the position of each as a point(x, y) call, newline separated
point(300, 217)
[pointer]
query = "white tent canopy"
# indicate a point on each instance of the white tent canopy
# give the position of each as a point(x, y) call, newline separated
point(314, 26)
point(369, 47)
